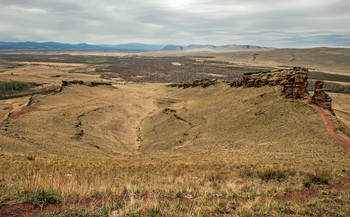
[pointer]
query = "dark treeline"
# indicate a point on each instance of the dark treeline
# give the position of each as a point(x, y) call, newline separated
point(13, 89)
point(331, 87)
point(328, 77)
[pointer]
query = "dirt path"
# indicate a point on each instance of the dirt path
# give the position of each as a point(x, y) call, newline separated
point(328, 124)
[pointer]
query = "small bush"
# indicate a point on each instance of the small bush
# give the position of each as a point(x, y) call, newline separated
point(179, 194)
point(275, 174)
point(307, 183)
point(246, 172)
point(221, 206)
point(322, 177)
point(245, 213)
point(96, 194)
point(31, 157)
point(40, 198)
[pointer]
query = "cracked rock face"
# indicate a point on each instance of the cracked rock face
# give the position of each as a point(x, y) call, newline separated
point(201, 82)
point(294, 81)
point(321, 98)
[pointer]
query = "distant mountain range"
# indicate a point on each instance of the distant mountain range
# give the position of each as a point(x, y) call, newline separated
point(209, 47)
point(55, 46)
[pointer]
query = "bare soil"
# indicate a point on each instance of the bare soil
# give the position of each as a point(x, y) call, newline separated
point(328, 123)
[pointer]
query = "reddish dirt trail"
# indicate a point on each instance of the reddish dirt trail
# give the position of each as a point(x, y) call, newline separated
point(328, 124)
point(19, 114)
point(16, 115)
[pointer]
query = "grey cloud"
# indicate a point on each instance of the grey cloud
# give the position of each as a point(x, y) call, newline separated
point(267, 23)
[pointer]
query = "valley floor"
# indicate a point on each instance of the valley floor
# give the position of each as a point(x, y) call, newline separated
point(152, 150)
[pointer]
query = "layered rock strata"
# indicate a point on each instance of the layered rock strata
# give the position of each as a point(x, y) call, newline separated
point(294, 81)
point(321, 98)
point(200, 82)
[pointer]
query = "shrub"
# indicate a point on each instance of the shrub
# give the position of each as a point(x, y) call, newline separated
point(31, 157)
point(179, 194)
point(275, 174)
point(96, 194)
point(307, 183)
point(320, 177)
point(40, 198)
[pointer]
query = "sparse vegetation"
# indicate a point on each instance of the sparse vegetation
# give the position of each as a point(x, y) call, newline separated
point(195, 152)
point(320, 177)
point(174, 186)
point(40, 197)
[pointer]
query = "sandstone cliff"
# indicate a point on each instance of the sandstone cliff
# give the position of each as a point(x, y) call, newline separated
point(294, 81)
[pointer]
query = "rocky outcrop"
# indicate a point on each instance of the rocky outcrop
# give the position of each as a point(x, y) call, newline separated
point(321, 98)
point(67, 83)
point(294, 81)
point(197, 83)
point(90, 84)
point(97, 83)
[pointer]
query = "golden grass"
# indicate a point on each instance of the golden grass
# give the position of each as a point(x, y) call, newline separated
point(202, 152)
point(179, 185)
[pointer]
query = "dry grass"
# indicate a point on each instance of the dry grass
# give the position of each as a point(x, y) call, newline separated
point(190, 186)
point(149, 150)
point(245, 149)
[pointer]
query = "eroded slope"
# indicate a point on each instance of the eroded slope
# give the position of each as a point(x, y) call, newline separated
point(81, 121)
point(223, 120)
point(156, 120)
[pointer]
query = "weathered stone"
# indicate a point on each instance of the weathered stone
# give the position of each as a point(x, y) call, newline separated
point(67, 83)
point(90, 84)
point(202, 83)
point(321, 98)
point(97, 83)
point(294, 81)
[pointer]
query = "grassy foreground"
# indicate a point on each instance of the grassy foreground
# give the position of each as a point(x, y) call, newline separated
point(193, 186)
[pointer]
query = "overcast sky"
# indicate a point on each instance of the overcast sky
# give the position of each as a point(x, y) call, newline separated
point(276, 23)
